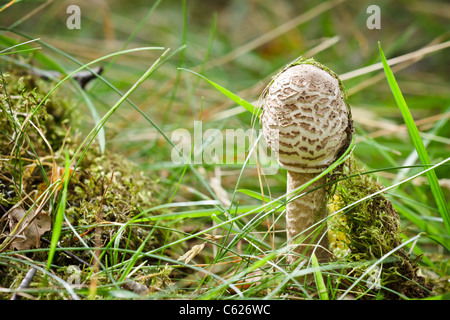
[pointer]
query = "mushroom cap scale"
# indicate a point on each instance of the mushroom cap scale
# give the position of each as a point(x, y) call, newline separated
point(305, 119)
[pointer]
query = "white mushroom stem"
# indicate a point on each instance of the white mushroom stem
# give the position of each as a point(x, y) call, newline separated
point(302, 213)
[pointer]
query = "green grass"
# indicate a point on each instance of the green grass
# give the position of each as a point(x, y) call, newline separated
point(418, 143)
point(165, 69)
point(57, 225)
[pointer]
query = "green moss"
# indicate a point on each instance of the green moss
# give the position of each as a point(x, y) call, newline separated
point(105, 191)
point(372, 229)
point(20, 98)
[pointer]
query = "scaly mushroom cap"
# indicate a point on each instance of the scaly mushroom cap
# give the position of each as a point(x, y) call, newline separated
point(305, 119)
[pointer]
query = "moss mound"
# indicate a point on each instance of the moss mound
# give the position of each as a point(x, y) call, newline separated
point(368, 231)
point(104, 193)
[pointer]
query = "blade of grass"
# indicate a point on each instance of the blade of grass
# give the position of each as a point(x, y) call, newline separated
point(417, 141)
point(247, 105)
point(321, 288)
point(199, 213)
point(445, 296)
point(57, 225)
point(45, 60)
point(230, 227)
point(257, 195)
point(19, 51)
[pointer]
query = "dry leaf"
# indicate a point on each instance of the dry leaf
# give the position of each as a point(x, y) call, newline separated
point(188, 256)
point(30, 237)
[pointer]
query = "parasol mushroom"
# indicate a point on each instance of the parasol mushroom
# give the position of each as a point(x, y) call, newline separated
point(306, 120)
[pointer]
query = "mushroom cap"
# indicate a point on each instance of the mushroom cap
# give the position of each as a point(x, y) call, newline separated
point(305, 119)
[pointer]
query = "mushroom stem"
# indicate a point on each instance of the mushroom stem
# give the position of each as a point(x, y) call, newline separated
point(302, 213)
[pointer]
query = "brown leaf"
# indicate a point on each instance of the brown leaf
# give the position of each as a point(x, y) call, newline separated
point(37, 225)
point(188, 256)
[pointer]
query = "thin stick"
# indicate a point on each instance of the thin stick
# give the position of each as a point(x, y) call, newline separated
point(98, 238)
point(25, 283)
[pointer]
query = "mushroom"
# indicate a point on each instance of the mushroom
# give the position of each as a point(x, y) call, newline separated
point(306, 121)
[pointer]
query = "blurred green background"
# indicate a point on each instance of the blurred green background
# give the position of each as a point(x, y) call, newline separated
point(241, 45)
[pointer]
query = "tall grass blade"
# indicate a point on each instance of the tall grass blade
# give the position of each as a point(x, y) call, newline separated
point(57, 225)
point(417, 141)
point(321, 288)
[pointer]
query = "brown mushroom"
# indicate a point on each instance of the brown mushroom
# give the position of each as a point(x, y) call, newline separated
point(306, 121)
